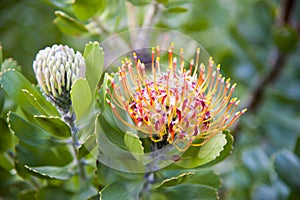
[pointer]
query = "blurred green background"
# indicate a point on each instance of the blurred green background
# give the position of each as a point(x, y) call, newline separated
point(255, 41)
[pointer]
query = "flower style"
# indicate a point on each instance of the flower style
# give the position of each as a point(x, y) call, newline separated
point(176, 105)
point(56, 69)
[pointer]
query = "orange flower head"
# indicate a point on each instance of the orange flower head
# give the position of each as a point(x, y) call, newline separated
point(177, 105)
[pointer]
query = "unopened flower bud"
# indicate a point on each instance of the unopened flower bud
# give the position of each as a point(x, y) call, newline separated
point(56, 69)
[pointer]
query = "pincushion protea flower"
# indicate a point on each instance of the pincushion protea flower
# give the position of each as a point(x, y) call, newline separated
point(176, 106)
point(56, 68)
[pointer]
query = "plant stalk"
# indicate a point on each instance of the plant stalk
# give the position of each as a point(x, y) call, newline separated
point(69, 118)
point(278, 65)
point(149, 180)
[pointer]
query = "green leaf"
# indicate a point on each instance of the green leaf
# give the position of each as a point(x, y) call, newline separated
point(185, 191)
point(61, 3)
point(111, 131)
point(25, 95)
point(81, 98)
point(5, 162)
point(174, 180)
point(86, 193)
point(2, 100)
point(1, 57)
point(243, 43)
point(69, 25)
point(61, 173)
point(134, 145)
point(21, 170)
point(257, 162)
point(226, 152)
point(94, 59)
point(50, 193)
point(112, 148)
point(27, 195)
point(158, 196)
point(294, 195)
point(114, 191)
point(285, 38)
point(101, 96)
point(73, 184)
point(5, 136)
point(10, 63)
point(41, 156)
point(139, 2)
point(28, 133)
point(54, 125)
point(204, 177)
point(177, 9)
point(211, 149)
point(85, 9)
point(197, 156)
point(163, 1)
point(261, 191)
point(297, 147)
point(106, 175)
point(88, 146)
point(36, 106)
point(287, 165)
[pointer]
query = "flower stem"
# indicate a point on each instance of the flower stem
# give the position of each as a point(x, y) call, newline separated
point(278, 66)
point(149, 178)
point(100, 25)
point(69, 118)
point(132, 22)
point(150, 174)
point(151, 16)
